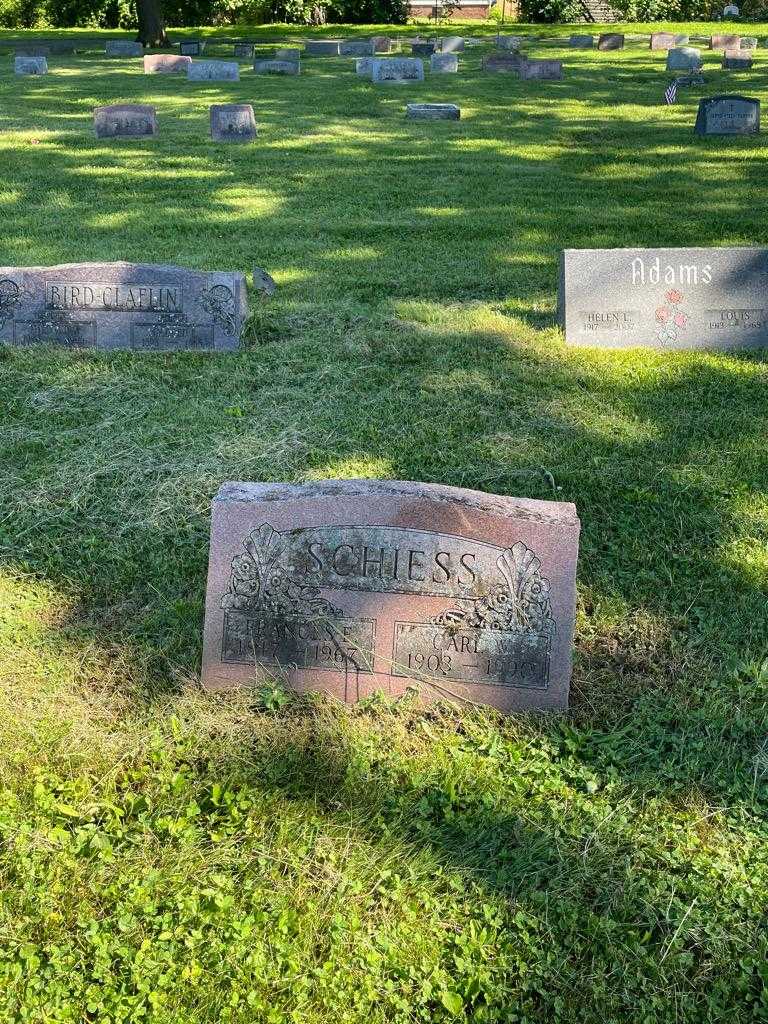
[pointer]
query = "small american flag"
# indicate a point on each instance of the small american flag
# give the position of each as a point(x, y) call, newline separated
point(670, 95)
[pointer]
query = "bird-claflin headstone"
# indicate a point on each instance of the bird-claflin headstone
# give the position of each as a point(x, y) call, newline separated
point(121, 306)
point(322, 48)
point(683, 58)
point(397, 70)
point(551, 70)
point(213, 71)
point(127, 120)
point(277, 67)
point(664, 298)
point(728, 115)
point(353, 587)
point(165, 64)
point(432, 112)
point(30, 66)
point(232, 122)
point(356, 48)
point(610, 41)
point(581, 42)
point(123, 48)
point(443, 63)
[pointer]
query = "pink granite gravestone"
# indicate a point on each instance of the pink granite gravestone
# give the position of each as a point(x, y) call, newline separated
point(165, 64)
point(356, 586)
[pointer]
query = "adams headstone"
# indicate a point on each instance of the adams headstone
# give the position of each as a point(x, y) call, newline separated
point(127, 120)
point(123, 48)
point(443, 63)
point(30, 66)
point(432, 112)
point(277, 67)
point(683, 58)
point(664, 298)
point(353, 587)
point(121, 305)
point(165, 64)
point(232, 122)
point(213, 71)
point(610, 41)
point(397, 70)
point(728, 115)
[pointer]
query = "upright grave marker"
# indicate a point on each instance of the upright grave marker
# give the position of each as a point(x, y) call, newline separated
point(277, 67)
point(165, 64)
point(382, 44)
point(423, 49)
point(509, 42)
point(213, 71)
point(504, 63)
point(32, 51)
point(452, 44)
point(443, 63)
point(356, 48)
point(737, 60)
point(123, 48)
point(128, 120)
point(192, 47)
point(232, 122)
point(363, 66)
point(289, 53)
point(581, 42)
point(353, 587)
point(30, 66)
point(728, 115)
point(121, 305)
point(322, 48)
point(684, 58)
point(244, 50)
point(610, 41)
point(668, 40)
point(664, 298)
point(397, 70)
point(542, 69)
point(725, 42)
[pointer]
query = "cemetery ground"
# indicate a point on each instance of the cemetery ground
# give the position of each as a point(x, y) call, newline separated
point(173, 856)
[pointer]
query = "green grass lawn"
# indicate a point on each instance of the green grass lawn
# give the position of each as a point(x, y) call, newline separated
point(179, 858)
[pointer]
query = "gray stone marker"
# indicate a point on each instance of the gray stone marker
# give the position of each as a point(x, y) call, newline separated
point(121, 305)
point(244, 50)
point(124, 120)
point(277, 67)
point(725, 42)
point(289, 53)
point(728, 115)
point(664, 298)
point(356, 48)
point(432, 112)
point(423, 49)
point(382, 44)
point(610, 41)
point(30, 66)
point(504, 63)
point(192, 47)
point(551, 70)
point(213, 71)
point(358, 586)
point(322, 48)
point(123, 48)
point(165, 64)
point(748, 43)
point(397, 70)
point(737, 60)
point(62, 46)
point(668, 40)
point(581, 42)
point(452, 44)
point(683, 58)
point(32, 51)
point(232, 122)
point(263, 283)
point(443, 63)
point(364, 66)
point(509, 42)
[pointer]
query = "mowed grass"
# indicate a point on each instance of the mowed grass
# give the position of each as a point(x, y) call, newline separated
point(174, 857)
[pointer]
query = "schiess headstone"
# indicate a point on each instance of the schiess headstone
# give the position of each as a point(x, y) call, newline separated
point(394, 70)
point(664, 298)
point(213, 71)
point(728, 115)
point(30, 66)
point(121, 306)
point(127, 120)
point(232, 122)
point(353, 587)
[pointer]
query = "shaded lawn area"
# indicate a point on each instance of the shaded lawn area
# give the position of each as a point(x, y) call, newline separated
point(172, 857)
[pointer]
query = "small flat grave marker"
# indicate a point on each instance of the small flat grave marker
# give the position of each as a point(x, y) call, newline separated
point(354, 587)
point(432, 112)
point(232, 122)
point(123, 48)
point(397, 70)
point(664, 298)
point(121, 306)
point(213, 71)
point(124, 120)
point(165, 64)
point(728, 115)
point(30, 66)
point(443, 63)
point(610, 41)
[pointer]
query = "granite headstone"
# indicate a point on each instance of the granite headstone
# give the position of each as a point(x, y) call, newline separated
point(504, 63)
point(363, 66)
point(356, 48)
point(728, 115)
point(30, 66)
point(277, 67)
point(432, 112)
point(288, 53)
point(165, 64)
point(232, 122)
point(683, 58)
point(452, 44)
point(664, 298)
point(423, 49)
point(123, 48)
point(668, 40)
point(610, 41)
point(382, 44)
point(443, 63)
point(397, 70)
point(361, 586)
point(322, 48)
point(213, 71)
point(121, 305)
point(244, 50)
point(542, 69)
point(737, 60)
point(192, 47)
point(124, 120)
point(725, 42)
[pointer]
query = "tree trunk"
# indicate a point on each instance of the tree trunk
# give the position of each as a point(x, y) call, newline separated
point(151, 24)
